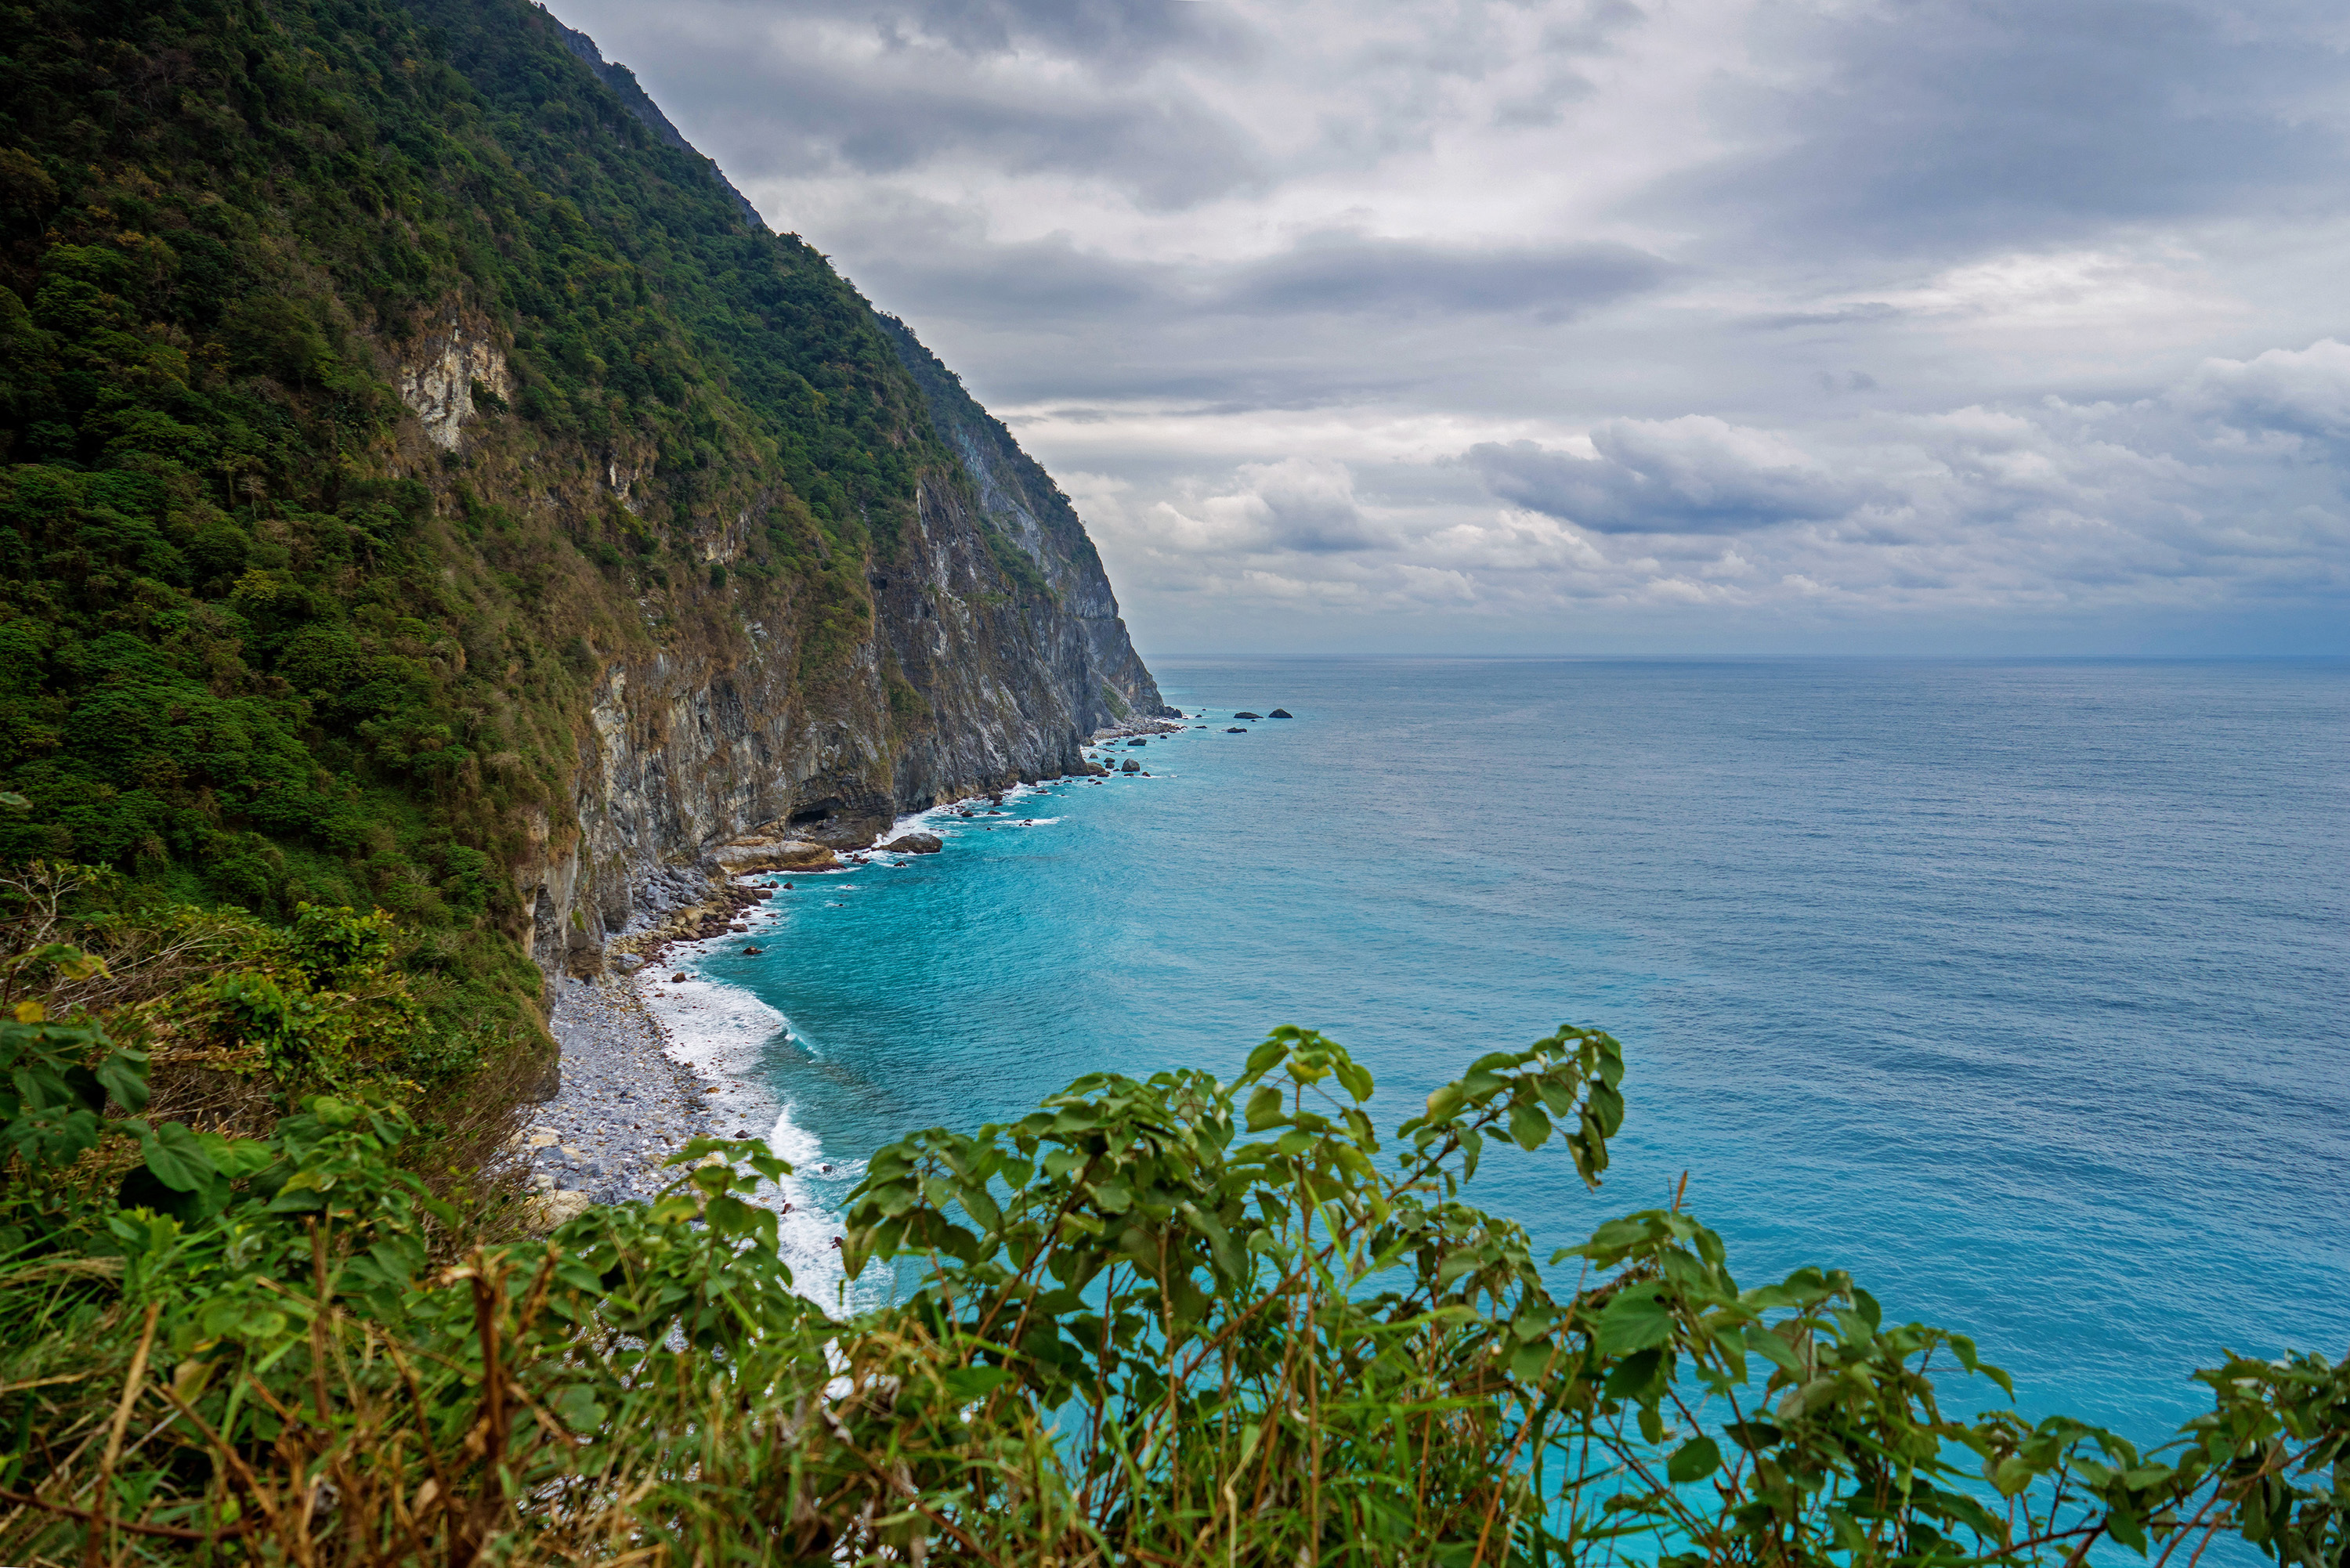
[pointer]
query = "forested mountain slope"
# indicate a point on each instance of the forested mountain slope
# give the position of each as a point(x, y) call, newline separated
point(425, 486)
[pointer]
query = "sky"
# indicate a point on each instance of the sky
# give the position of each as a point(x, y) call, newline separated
point(1605, 327)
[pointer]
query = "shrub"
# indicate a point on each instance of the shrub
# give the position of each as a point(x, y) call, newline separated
point(1163, 1321)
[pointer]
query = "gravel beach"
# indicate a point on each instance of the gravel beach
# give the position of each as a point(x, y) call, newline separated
point(625, 1105)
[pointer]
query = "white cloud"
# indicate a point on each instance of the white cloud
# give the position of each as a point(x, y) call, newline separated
point(2298, 392)
point(1299, 504)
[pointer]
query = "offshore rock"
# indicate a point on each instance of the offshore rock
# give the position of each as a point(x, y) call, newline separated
point(1280, 713)
point(1131, 767)
point(915, 844)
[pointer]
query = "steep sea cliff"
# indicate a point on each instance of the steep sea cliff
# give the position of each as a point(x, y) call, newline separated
point(426, 482)
point(710, 734)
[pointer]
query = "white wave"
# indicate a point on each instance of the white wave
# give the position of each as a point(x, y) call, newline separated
point(721, 1032)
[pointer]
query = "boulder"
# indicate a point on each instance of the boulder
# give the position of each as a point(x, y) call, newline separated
point(629, 963)
point(1280, 713)
point(1236, 730)
point(550, 1210)
point(759, 852)
point(1248, 715)
point(547, 1086)
point(678, 979)
point(1097, 769)
point(915, 844)
point(1131, 767)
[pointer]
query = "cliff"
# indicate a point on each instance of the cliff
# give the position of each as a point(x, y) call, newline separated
point(429, 486)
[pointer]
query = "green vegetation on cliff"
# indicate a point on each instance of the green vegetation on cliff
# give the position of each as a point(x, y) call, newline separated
point(259, 641)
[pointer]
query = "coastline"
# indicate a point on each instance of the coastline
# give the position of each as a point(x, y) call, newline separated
point(654, 1052)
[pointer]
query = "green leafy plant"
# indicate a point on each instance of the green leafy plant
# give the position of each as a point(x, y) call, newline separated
point(1174, 1320)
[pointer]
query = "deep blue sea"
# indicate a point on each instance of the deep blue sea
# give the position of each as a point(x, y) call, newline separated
point(2019, 990)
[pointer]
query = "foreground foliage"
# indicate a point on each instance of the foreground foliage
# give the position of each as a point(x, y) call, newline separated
point(1166, 1320)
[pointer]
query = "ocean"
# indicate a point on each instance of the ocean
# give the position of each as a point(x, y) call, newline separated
point(2017, 989)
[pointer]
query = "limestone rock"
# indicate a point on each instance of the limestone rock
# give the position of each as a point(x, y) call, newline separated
point(763, 852)
point(915, 844)
point(549, 1210)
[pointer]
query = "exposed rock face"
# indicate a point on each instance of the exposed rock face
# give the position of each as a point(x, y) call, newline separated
point(438, 384)
point(712, 751)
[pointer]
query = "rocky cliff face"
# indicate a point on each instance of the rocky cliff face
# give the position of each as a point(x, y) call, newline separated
point(991, 650)
point(959, 689)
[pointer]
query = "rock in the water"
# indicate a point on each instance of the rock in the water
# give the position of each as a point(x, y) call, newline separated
point(1280, 713)
point(915, 844)
point(1131, 767)
point(1096, 769)
point(1236, 730)
point(678, 979)
point(753, 952)
point(1248, 715)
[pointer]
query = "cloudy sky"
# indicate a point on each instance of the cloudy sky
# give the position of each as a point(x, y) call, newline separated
point(1606, 325)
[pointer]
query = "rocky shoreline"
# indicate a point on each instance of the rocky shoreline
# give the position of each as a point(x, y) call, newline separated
point(623, 1104)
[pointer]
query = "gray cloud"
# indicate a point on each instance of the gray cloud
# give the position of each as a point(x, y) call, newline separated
point(1351, 273)
point(1923, 124)
point(1691, 475)
point(819, 89)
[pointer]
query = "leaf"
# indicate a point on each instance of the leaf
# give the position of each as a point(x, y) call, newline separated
point(1228, 1259)
point(1528, 1125)
point(1636, 1319)
point(177, 1159)
point(1773, 1349)
point(1263, 1108)
point(965, 1384)
point(1693, 1461)
point(1264, 1057)
point(1640, 1376)
point(1445, 1101)
point(123, 1075)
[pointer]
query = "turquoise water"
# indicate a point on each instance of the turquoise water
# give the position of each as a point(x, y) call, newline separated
point(2017, 989)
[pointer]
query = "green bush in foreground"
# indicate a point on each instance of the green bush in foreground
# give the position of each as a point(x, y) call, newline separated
point(1174, 1321)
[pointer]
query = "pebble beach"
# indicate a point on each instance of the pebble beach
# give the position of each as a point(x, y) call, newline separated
point(625, 1105)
